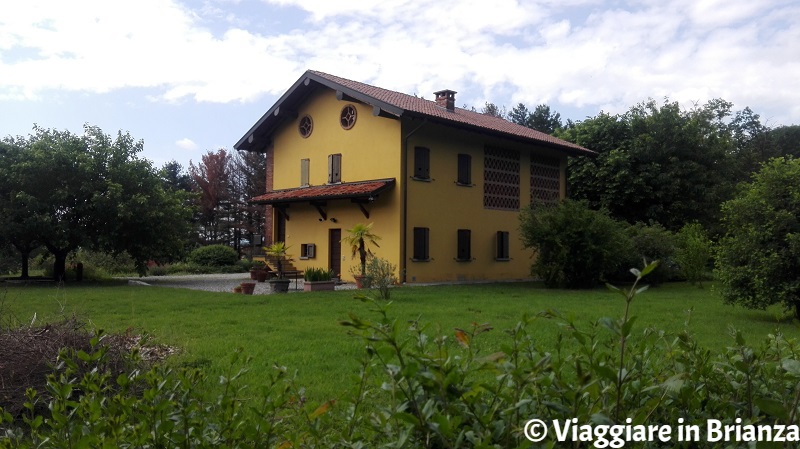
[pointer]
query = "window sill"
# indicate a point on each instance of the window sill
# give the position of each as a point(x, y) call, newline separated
point(461, 184)
point(421, 260)
point(414, 178)
point(463, 260)
point(502, 259)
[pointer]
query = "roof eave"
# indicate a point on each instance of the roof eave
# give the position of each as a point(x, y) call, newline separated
point(264, 127)
point(571, 151)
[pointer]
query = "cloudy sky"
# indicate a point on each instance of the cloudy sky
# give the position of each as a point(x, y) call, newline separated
point(191, 76)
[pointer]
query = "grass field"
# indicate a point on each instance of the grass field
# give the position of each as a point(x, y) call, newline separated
point(302, 331)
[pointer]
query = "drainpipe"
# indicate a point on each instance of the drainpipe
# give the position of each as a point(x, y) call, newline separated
point(404, 177)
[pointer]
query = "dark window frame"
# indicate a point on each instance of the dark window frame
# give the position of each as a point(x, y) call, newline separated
point(422, 164)
point(502, 252)
point(464, 174)
point(421, 244)
point(464, 245)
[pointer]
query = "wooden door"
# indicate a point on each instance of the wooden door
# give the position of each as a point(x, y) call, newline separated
point(335, 251)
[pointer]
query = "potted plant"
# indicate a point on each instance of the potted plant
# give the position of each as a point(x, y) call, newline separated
point(256, 269)
point(248, 287)
point(359, 237)
point(316, 279)
point(279, 252)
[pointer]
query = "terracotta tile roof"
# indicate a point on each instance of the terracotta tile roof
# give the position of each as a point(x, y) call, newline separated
point(459, 116)
point(345, 190)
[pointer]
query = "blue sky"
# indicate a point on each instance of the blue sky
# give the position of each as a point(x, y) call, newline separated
point(192, 76)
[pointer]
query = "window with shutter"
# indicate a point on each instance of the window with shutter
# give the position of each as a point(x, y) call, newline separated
point(502, 246)
point(421, 244)
point(334, 168)
point(464, 170)
point(304, 164)
point(422, 163)
point(464, 253)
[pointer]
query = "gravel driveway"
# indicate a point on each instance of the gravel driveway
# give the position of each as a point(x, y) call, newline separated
point(216, 282)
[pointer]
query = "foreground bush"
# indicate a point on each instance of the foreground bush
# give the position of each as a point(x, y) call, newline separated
point(419, 388)
point(213, 255)
point(574, 246)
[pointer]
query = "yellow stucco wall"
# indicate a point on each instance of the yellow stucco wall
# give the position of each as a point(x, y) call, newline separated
point(370, 150)
point(444, 207)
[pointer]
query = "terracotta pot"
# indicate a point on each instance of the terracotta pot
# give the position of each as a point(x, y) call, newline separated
point(359, 280)
point(261, 275)
point(248, 287)
point(253, 273)
point(237, 289)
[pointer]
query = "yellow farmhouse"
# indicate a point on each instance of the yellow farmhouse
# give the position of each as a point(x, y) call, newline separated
point(443, 186)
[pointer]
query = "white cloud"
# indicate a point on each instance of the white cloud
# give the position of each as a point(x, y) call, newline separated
point(186, 144)
point(578, 53)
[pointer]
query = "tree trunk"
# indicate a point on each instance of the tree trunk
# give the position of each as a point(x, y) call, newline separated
point(24, 254)
point(60, 265)
point(362, 252)
point(797, 309)
point(24, 263)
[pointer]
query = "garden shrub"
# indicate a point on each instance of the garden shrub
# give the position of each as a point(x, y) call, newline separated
point(758, 259)
point(650, 242)
point(380, 275)
point(214, 256)
point(693, 252)
point(574, 246)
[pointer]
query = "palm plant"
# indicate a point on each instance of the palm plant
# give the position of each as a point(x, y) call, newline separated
point(359, 237)
point(279, 251)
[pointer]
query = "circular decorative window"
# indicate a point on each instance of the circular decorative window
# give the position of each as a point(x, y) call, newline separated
point(306, 126)
point(348, 117)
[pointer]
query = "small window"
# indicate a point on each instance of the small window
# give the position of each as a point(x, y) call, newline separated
point(347, 118)
point(464, 236)
point(464, 170)
point(502, 246)
point(421, 242)
point(334, 168)
point(422, 163)
point(304, 164)
point(308, 251)
point(305, 126)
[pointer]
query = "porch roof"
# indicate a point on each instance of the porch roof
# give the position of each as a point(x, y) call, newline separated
point(340, 191)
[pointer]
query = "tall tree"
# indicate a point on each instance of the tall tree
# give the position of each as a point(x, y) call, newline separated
point(758, 262)
point(93, 191)
point(541, 119)
point(248, 180)
point(175, 178)
point(211, 180)
point(493, 110)
point(655, 163)
point(18, 226)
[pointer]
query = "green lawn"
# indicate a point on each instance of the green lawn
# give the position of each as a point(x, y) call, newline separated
point(301, 330)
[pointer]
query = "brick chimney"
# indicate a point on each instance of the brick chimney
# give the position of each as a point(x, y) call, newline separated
point(446, 99)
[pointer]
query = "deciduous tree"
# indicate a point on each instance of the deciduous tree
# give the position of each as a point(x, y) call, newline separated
point(758, 259)
point(93, 191)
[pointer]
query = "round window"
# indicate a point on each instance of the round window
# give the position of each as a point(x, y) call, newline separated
point(348, 116)
point(306, 126)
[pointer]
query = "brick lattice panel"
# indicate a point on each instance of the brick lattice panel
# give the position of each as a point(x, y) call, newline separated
point(545, 179)
point(501, 179)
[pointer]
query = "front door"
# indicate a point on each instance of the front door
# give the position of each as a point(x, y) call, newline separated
point(335, 251)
